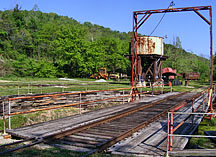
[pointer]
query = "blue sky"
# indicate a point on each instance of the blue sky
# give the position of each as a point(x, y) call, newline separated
point(117, 15)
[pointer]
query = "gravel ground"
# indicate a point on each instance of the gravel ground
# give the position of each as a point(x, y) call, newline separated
point(6, 141)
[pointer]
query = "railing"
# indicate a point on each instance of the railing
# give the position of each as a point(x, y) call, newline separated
point(206, 95)
point(31, 88)
point(80, 103)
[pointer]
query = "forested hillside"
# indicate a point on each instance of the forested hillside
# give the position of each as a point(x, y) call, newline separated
point(39, 44)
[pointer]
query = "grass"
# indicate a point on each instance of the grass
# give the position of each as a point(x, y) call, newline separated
point(51, 152)
point(205, 125)
point(21, 86)
point(25, 86)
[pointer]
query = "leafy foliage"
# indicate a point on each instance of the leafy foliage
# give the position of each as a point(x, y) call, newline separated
point(39, 44)
point(186, 62)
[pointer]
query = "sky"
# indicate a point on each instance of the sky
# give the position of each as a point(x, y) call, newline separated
point(117, 15)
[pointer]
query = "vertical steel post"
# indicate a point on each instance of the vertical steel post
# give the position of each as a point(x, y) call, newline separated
point(9, 117)
point(134, 59)
point(133, 53)
point(3, 111)
point(192, 111)
point(162, 88)
point(134, 56)
point(168, 134)
point(171, 131)
point(171, 88)
point(80, 105)
point(141, 92)
point(211, 57)
point(152, 90)
point(203, 104)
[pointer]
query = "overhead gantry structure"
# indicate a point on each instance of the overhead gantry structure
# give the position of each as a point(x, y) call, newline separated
point(140, 17)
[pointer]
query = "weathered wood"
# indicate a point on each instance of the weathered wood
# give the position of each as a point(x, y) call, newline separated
point(152, 140)
point(72, 148)
point(53, 126)
point(194, 152)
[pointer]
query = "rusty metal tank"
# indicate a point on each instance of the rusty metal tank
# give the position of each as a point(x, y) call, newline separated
point(147, 45)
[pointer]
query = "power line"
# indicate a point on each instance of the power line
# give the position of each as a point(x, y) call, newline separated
point(170, 5)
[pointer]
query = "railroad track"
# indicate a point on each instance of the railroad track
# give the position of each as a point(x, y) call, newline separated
point(100, 135)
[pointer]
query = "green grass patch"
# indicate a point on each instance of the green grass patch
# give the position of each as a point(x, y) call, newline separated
point(205, 125)
point(24, 86)
point(50, 152)
point(27, 85)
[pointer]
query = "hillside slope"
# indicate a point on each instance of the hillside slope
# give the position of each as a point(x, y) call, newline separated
point(39, 44)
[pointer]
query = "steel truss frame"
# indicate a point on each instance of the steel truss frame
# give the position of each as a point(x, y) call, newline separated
point(145, 15)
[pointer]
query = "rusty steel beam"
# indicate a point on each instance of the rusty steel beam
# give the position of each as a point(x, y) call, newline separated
point(140, 20)
point(202, 16)
point(172, 10)
point(144, 21)
point(64, 94)
point(75, 104)
point(169, 10)
point(211, 58)
point(67, 105)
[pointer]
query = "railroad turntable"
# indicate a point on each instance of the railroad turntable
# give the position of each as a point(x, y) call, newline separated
point(138, 122)
point(138, 127)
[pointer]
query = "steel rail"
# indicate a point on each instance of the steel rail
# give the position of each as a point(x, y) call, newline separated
point(63, 94)
point(34, 142)
point(186, 102)
point(62, 134)
point(131, 131)
point(83, 92)
point(80, 128)
point(75, 104)
point(17, 142)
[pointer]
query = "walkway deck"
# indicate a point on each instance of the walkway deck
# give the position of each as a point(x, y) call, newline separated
point(151, 140)
point(54, 126)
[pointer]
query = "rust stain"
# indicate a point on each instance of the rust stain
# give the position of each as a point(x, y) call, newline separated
point(145, 45)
